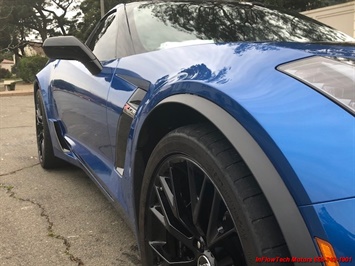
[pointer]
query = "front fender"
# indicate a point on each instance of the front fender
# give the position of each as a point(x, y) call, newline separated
point(293, 227)
point(291, 222)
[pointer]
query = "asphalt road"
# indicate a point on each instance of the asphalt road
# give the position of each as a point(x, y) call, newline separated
point(55, 217)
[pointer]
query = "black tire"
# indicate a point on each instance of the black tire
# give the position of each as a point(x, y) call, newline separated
point(44, 142)
point(200, 204)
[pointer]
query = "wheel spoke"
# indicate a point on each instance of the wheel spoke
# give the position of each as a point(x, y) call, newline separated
point(168, 193)
point(182, 197)
point(214, 226)
point(160, 249)
point(194, 194)
point(40, 141)
point(201, 213)
point(220, 237)
point(40, 136)
point(39, 116)
point(196, 208)
point(158, 215)
point(169, 221)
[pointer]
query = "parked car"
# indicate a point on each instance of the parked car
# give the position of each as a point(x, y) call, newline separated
point(224, 131)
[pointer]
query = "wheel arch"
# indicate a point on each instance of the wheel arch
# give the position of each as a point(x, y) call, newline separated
point(184, 109)
point(40, 84)
point(160, 121)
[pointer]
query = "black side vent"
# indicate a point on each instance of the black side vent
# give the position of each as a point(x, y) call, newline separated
point(60, 136)
point(124, 125)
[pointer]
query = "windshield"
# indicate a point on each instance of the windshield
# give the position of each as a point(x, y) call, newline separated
point(164, 25)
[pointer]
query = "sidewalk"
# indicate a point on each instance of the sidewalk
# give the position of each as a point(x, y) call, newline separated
point(21, 89)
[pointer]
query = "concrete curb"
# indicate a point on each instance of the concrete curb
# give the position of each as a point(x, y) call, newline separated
point(15, 93)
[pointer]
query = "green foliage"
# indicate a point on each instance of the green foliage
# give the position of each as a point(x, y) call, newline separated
point(4, 73)
point(28, 67)
point(20, 20)
point(6, 55)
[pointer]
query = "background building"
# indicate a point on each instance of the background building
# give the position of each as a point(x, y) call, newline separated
point(7, 64)
point(341, 17)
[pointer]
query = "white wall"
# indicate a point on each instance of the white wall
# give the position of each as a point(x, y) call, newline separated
point(341, 17)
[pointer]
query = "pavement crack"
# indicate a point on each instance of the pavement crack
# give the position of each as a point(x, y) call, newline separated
point(50, 231)
point(18, 170)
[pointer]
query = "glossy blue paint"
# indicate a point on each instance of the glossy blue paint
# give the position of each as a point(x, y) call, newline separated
point(306, 155)
point(335, 223)
point(308, 138)
point(82, 107)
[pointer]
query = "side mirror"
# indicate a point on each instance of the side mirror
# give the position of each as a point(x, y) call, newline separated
point(70, 48)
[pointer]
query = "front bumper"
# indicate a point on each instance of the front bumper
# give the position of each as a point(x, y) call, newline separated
point(334, 222)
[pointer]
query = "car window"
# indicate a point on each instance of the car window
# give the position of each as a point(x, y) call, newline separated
point(103, 41)
point(124, 40)
point(161, 25)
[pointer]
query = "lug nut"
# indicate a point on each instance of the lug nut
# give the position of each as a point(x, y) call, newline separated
point(199, 245)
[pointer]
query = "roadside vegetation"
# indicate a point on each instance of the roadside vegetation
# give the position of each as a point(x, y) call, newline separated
point(28, 67)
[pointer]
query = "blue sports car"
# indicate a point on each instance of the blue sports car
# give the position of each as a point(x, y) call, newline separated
point(223, 131)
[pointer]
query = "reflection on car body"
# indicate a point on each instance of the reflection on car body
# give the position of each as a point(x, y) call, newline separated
point(223, 131)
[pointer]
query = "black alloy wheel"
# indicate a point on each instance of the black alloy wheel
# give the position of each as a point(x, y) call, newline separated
point(39, 126)
point(44, 143)
point(195, 204)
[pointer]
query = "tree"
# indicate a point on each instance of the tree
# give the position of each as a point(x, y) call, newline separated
point(12, 30)
point(5, 55)
point(90, 10)
point(21, 20)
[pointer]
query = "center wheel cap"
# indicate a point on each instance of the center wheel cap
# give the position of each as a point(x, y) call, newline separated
point(203, 261)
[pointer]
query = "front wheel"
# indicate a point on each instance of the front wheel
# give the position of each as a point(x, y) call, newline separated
point(200, 204)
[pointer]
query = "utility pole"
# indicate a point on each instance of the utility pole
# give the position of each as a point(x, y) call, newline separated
point(102, 7)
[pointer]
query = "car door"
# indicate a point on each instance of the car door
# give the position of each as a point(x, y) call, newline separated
point(80, 100)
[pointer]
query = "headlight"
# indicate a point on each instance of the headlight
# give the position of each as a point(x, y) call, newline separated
point(334, 79)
